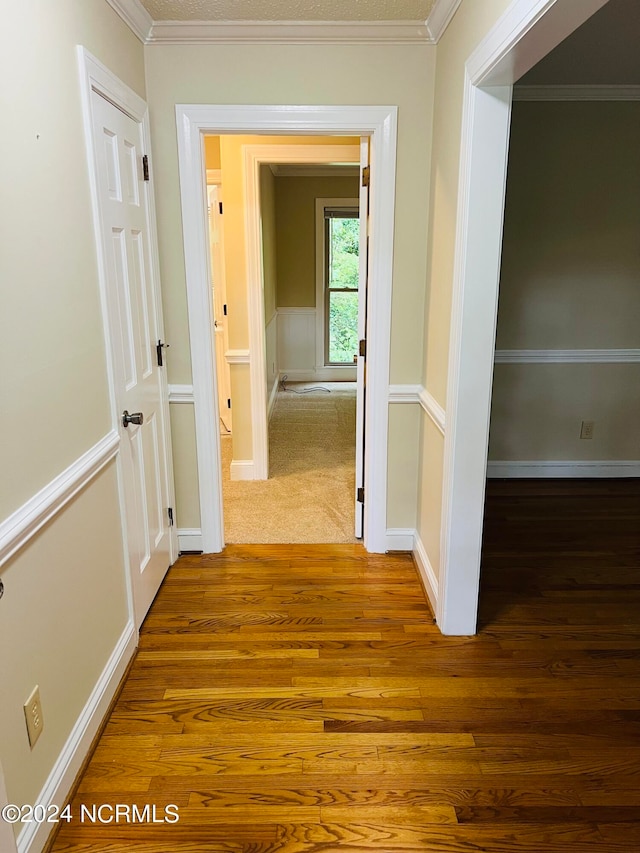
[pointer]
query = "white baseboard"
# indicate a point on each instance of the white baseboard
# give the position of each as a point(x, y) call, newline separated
point(320, 374)
point(272, 398)
point(400, 538)
point(558, 469)
point(189, 539)
point(241, 469)
point(429, 579)
point(58, 786)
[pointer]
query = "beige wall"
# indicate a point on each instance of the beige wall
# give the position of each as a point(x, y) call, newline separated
point(300, 74)
point(470, 24)
point(65, 604)
point(569, 280)
point(296, 212)
point(270, 266)
point(270, 254)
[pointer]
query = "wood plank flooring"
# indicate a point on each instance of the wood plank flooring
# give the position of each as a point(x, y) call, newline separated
point(300, 699)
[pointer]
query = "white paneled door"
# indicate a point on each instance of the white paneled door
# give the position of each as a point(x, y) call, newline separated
point(135, 341)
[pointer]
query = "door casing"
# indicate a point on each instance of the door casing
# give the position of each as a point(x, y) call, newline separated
point(526, 32)
point(379, 123)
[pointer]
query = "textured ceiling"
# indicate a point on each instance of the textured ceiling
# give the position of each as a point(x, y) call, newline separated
point(288, 10)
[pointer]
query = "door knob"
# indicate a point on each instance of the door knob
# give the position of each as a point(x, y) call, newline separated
point(135, 418)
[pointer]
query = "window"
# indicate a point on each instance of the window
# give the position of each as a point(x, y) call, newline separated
point(341, 268)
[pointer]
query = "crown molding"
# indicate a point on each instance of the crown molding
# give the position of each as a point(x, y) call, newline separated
point(576, 93)
point(440, 18)
point(135, 17)
point(287, 32)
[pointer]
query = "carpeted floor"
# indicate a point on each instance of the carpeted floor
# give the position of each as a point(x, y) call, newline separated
point(309, 496)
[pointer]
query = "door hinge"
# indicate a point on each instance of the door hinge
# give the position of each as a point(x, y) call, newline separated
point(170, 514)
point(145, 167)
point(220, 206)
point(366, 176)
point(360, 494)
point(159, 347)
point(224, 310)
point(363, 348)
point(228, 402)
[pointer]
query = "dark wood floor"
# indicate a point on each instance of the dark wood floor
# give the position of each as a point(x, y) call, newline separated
point(300, 700)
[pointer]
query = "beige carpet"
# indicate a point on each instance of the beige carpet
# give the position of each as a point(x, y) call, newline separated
point(309, 496)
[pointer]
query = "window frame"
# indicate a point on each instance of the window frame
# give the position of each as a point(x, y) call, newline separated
point(322, 291)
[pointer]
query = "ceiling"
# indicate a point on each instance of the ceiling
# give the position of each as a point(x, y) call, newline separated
point(603, 51)
point(288, 10)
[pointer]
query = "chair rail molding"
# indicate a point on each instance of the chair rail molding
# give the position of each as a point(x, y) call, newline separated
point(418, 394)
point(567, 356)
point(181, 393)
point(26, 521)
point(238, 356)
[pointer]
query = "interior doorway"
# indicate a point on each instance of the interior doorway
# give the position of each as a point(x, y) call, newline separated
point(525, 33)
point(379, 126)
point(306, 216)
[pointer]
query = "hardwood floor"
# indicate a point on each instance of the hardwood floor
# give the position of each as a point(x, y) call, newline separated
point(299, 699)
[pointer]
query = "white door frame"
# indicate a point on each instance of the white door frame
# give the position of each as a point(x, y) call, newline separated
point(380, 124)
point(255, 156)
point(96, 77)
point(528, 30)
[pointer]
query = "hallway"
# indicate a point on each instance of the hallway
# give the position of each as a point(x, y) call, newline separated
point(299, 699)
point(309, 496)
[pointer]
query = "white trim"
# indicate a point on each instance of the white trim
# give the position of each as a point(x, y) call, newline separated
point(272, 398)
point(571, 469)
point(378, 122)
point(519, 39)
point(440, 17)
point(305, 310)
point(181, 393)
point(237, 356)
point(400, 538)
point(190, 539)
point(214, 177)
point(321, 204)
point(63, 774)
point(418, 394)
point(405, 393)
point(242, 469)
point(289, 32)
point(426, 572)
point(567, 356)
point(25, 522)
point(135, 17)
point(576, 93)
point(433, 409)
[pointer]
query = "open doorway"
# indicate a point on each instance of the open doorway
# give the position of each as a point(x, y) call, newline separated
point(563, 449)
point(306, 216)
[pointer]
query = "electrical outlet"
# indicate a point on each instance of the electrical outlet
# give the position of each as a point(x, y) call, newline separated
point(586, 430)
point(33, 716)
